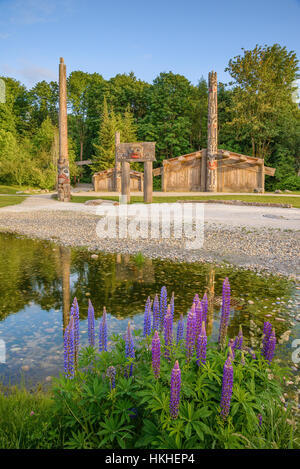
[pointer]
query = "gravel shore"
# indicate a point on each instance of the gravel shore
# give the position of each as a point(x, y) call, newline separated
point(259, 249)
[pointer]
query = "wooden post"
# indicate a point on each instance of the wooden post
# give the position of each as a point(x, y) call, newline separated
point(164, 177)
point(212, 133)
point(148, 182)
point(125, 182)
point(261, 177)
point(63, 176)
point(203, 171)
point(117, 165)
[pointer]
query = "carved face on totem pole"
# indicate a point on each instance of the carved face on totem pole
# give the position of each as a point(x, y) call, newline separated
point(136, 151)
point(63, 172)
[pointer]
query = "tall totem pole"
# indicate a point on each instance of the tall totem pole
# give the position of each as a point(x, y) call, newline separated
point(212, 133)
point(63, 176)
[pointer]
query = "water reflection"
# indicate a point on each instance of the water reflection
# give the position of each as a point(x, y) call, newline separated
point(38, 281)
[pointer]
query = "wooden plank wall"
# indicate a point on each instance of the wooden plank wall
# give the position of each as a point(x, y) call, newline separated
point(237, 177)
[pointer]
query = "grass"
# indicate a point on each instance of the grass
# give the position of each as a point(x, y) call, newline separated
point(294, 201)
point(24, 418)
point(10, 200)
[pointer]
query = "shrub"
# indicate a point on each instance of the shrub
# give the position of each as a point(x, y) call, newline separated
point(191, 394)
point(291, 183)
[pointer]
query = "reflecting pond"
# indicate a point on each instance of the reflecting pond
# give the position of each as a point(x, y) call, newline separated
point(39, 279)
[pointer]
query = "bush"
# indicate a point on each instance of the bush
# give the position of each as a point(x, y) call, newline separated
point(292, 183)
point(135, 413)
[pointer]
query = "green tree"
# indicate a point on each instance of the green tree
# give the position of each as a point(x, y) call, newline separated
point(104, 146)
point(262, 95)
point(168, 121)
point(44, 103)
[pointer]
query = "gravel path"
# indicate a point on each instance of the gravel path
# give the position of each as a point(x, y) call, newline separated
point(270, 244)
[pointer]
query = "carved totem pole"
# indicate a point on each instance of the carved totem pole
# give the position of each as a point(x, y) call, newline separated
point(212, 133)
point(63, 176)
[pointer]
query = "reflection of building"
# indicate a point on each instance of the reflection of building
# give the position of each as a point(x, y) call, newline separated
point(129, 271)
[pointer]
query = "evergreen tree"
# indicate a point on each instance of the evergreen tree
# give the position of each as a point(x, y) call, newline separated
point(104, 146)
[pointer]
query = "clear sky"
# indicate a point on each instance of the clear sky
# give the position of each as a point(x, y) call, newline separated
point(190, 37)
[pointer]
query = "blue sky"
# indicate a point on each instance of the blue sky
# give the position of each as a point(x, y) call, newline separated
point(190, 37)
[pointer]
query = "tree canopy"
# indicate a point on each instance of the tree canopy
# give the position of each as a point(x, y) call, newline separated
point(258, 116)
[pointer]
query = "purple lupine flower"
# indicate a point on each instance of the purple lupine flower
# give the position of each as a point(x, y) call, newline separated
point(156, 355)
point(156, 317)
point(196, 299)
point(129, 348)
point(199, 317)
point(111, 374)
point(225, 312)
point(226, 387)
point(240, 339)
point(175, 390)
point(231, 347)
point(69, 350)
point(163, 306)
point(103, 333)
point(91, 324)
point(259, 419)
point(190, 333)
point(204, 303)
point(270, 349)
point(180, 329)
point(201, 346)
point(75, 313)
point(250, 351)
point(267, 331)
point(147, 317)
point(168, 332)
point(172, 304)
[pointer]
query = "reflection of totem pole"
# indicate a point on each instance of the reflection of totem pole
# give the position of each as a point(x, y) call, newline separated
point(211, 297)
point(63, 178)
point(212, 133)
point(65, 255)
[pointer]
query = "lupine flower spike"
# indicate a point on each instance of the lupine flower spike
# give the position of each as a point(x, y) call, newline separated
point(175, 390)
point(163, 306)
point(199, 317)
point(91, 324)
point(69, 350)
point(240, 339)
point(75, 314)
point(267, 330)
point(190, 334)
point(147, 318)
point(225, 312)
point(201, 346)
point(180, 329)
point(168, 332)
point(156, 317)
point(156, 355)
point(103, 333)
point(226, 387)
point(111, 374)
point(129, 348)
point(270, 349)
